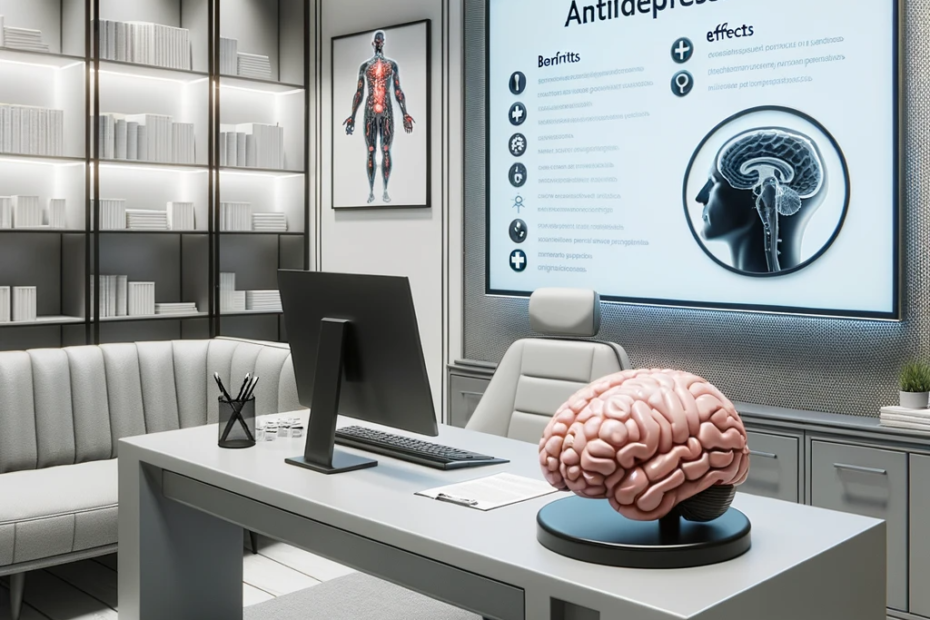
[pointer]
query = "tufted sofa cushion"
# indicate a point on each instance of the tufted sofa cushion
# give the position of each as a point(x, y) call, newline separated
point(63, 411)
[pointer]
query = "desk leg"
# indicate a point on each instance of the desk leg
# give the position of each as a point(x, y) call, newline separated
point(174, 561)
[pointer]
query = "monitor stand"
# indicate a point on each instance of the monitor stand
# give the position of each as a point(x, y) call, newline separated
point(319, 452)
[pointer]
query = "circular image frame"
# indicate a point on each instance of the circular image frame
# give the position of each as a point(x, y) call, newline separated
point(846, 179)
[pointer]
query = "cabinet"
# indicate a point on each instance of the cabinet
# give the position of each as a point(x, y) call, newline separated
point(873, 483)
point(919, 561)
point(773, 470)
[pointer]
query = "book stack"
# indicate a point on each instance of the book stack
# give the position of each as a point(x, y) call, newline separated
point(141, 299)
point(112, 214)
point(27, 213)
point(175, 309)
point(146, 219)
point(145, 137)
point(235, 216)
point(269, 222)
point(229, 56)
point(21, 38)
point(263, 301)
point(56, 213)
point(6, 212)
point(254, 66)
point(181, 216)
point(252, 145)
point(30, 130)
point(908, 419)
point(5, 306)
point(24, 304)
point(145, 43)
point(231, 300)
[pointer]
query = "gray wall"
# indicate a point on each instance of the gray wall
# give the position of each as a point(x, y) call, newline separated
point(838, 366)
point(417, 243)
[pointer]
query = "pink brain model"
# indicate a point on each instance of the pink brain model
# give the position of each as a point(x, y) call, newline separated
point(646, 440)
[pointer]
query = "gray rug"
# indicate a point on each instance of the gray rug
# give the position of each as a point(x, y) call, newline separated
point(355, 597)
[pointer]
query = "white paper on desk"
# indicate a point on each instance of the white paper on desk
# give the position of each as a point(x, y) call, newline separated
point(491, 492)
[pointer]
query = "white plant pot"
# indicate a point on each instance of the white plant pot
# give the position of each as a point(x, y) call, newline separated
point(914, 400)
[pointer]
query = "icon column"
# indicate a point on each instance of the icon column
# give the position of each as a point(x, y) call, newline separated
point(682, 82)
point(517, 175)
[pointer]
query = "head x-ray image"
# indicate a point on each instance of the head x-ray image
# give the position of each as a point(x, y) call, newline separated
point(764, 187)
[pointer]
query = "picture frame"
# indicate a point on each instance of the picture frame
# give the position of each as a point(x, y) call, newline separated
point(380, 118)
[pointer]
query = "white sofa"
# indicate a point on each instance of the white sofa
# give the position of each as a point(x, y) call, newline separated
point(62, 412)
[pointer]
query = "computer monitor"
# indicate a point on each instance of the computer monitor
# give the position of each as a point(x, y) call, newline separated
point(356, 351)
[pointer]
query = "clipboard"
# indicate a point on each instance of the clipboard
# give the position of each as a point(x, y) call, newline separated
point(490, 492)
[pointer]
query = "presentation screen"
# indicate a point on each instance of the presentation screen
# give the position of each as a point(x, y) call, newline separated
point(733, 154)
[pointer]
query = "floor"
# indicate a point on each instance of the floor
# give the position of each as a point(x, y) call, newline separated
point(87, 590)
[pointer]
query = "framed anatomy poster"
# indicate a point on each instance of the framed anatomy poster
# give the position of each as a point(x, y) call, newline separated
point(380, 118)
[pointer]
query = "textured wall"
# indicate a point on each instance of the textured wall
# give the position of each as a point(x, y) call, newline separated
point(838, 366)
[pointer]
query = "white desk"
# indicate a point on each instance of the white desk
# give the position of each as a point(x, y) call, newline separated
point(184, 502)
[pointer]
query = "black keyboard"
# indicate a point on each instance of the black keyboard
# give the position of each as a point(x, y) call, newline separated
point(412, 450)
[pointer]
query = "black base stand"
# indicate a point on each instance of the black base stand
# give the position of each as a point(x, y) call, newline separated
point(591, 531)
point(319, 453)
point(341, 462)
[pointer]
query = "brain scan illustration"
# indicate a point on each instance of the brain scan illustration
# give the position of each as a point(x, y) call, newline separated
point(774, 196)
point(652, 442)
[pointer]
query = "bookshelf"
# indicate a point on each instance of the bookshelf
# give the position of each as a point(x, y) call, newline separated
point(106, 91)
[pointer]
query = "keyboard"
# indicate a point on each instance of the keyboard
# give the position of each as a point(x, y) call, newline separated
point(412, 450)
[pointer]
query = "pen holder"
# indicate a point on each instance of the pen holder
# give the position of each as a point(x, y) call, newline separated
point(237, 423)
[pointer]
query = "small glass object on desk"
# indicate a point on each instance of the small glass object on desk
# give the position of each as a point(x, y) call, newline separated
point(237, 423)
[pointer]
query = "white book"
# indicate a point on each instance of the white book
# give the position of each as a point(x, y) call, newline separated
point(142, 143)
point(232, 143)
point(241, 154)
point(6, 314)
point(132, 140)
point(6, 212)
point(251, 159)
point(181, 216)
point(24, 304)
point(27, 213)
point(121, 147)
point(122, 290)
point(16, 120)
point(56, 213)
point(223, 159)
point(112, 282)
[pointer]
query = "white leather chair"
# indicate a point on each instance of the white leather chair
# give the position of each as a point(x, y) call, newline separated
point(537, 375)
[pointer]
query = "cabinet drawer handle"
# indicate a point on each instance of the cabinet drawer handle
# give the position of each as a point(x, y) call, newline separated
point(765, 455)
point(862, 470)
point(464, 393)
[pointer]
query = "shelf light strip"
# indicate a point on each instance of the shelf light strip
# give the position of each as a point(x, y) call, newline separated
point(153, 168)
point(296, 91)
point(152, 77)
point(260, 174)
point(39, 64)
point(12, 159)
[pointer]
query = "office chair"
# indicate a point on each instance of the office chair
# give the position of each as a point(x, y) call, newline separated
point(537, 375)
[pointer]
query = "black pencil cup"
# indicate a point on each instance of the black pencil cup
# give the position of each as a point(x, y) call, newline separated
point(237, 423)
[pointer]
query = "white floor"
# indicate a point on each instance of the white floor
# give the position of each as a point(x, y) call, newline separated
point(87, 590)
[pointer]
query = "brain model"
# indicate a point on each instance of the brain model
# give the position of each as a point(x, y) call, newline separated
point(648, 440)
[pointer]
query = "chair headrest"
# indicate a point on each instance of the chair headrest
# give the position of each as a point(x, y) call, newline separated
point(564, 312)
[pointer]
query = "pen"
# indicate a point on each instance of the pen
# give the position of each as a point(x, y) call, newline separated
point(219, 382)
point(245, 382)
point(443, 497)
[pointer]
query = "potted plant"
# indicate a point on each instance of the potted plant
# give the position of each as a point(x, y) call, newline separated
point(915, 385)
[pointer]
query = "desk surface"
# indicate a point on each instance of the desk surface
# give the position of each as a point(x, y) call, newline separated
point(379, 503)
